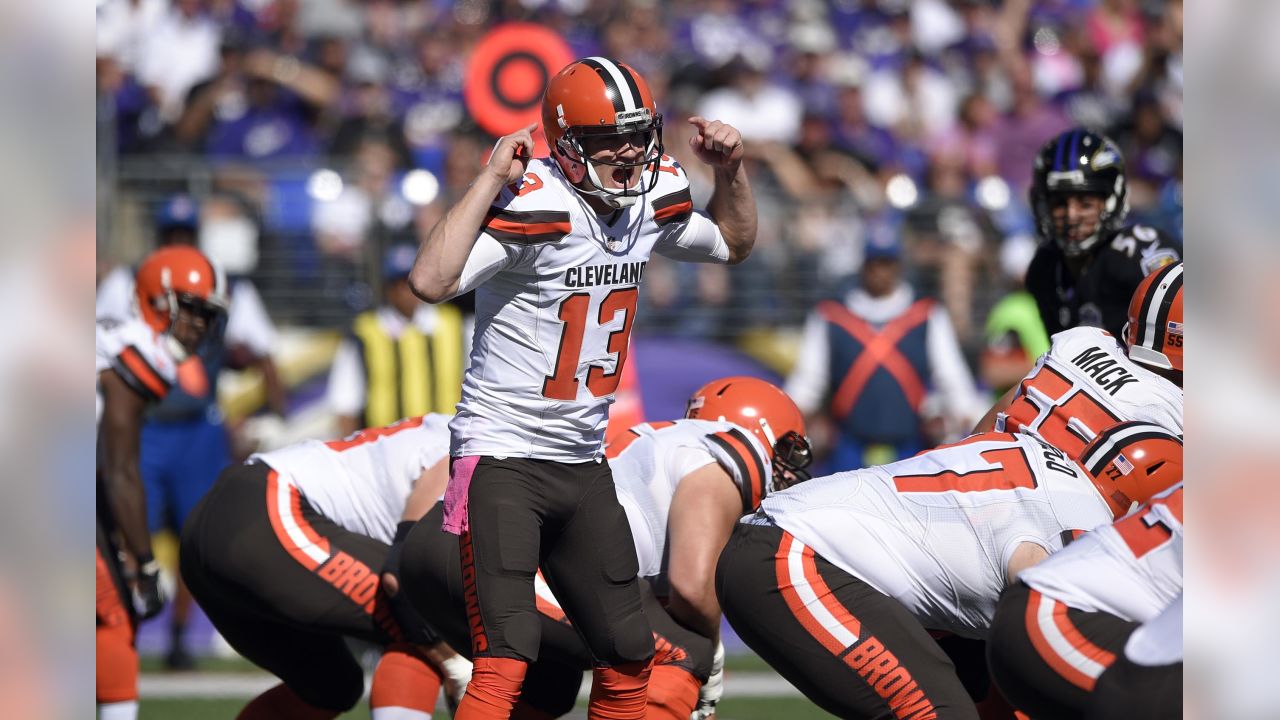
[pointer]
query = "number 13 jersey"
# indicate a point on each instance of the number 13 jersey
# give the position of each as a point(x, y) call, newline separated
point(556, 290)
point(936, 531)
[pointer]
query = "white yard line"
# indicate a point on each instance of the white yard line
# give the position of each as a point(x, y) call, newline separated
point(248, 684)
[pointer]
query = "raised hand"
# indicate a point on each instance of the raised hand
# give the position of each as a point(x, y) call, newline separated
point(511, 155)
point(716, 144)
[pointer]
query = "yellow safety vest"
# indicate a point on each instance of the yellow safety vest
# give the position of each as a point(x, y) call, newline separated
point(413, 375)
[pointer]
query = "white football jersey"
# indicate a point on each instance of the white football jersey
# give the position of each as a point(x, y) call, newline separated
point(1159, 640)
point(556, 291)
point(936, 531)
point(658, 455)
point(1085, 383)
point(137, 354)
point(1131, 569)
point(362, 481)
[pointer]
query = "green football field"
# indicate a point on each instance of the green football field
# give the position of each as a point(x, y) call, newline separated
point(185, 702)
point(730, 709)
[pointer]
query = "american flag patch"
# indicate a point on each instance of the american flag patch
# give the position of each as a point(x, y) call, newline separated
point(1123, 463)
point(1175, 328)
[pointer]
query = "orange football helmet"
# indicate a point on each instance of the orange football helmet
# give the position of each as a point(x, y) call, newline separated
point(598, 97)
point(1132, 461)
point(765, 410)
point(175, 278)
point(1154, 330)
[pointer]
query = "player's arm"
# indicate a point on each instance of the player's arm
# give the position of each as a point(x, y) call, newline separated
point(732, 205)
point(437, 271)
point(427, 489)
point(988, 421)
point(120, 435)
point(704, 509)
point(1023, 557)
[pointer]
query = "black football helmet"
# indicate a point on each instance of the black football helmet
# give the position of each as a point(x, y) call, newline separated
point(1079, 161)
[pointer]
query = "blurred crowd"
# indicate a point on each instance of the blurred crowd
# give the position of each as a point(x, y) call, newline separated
point(320, 133)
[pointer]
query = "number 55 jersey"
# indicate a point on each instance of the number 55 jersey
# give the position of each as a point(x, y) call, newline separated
point(556, 290)
point(936, 532)
point(1085, 383)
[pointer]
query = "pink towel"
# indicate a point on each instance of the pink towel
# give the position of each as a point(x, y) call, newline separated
point(455, 495)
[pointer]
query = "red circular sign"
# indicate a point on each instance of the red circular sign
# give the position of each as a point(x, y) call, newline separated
point(507, 76)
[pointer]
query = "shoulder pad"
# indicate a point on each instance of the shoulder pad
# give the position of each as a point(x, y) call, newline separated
point(529, 212)
point(670, 198)
point(135, 354)
point(1070, 340)
point(742, 455)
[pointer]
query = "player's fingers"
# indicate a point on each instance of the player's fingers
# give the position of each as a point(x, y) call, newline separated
point(698, 122)
point(724, 137)
point(526, 136)
point(390, 585)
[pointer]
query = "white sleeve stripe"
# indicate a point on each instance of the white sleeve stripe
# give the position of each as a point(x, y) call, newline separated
point(1058, 643)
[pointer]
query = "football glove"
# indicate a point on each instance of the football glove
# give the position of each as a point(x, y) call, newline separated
point(148, 596)
point(712, 689)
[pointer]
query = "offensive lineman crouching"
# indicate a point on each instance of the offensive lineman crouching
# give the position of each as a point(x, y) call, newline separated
point(296, 549)
point(683, 484)
point(835, 581)
point(1067, 620)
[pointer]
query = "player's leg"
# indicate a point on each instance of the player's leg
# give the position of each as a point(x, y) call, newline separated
point(848, 648)
point(1046, 656)
point(1146, 678)
point(591, 566)
point(498, 556)
point(161, 445)
point(550, 690)
point(264, 564)
point(1128, 689)
point(116, 675)
point(431, 576)
point(405, 685)
point(681, 663)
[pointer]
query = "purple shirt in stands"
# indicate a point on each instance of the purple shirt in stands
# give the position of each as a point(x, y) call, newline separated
point(278, 130)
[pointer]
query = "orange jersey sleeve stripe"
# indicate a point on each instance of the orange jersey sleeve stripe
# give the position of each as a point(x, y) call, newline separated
point(140, 374)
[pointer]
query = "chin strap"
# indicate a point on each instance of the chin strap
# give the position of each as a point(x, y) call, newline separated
point(611, 199)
